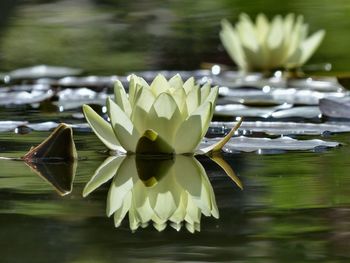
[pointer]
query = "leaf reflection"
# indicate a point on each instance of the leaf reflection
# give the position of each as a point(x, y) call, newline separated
point(155, 191)
point(59, 174)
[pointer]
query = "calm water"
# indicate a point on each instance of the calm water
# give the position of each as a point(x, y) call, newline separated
point(294, 207)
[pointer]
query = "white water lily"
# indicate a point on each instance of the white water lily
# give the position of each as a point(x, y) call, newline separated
point(172, 191)
point(164, 117)
point(265, 45)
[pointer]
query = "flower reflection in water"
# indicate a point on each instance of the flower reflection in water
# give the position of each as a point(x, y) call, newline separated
point(174, 189)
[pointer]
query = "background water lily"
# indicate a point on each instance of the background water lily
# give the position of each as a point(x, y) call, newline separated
point(172, 190)
point(265, 45)
point(164, 117)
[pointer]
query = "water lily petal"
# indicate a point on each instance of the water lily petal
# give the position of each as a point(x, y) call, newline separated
point(218, 146)
point(232, 43)
point(205, 91)
point(121, 98)
point(144, 98)
point(295, 38)
point(104, 173)
point(159, 85)
point(309, 46)
point(276, 50)
point(247, 34)
point(193, 99)
point(275, 36)
point(122, 126)
point(213, 95)
point(141, 109)
point(288, 27)
point(102, 129)
point(189, 134)
point(165, 117)
point(135, 84)
point(189, 84)
point(179, 95)
point(176, 82)
point(262, 27)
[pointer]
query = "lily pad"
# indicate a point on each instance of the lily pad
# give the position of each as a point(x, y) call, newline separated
point(247, 144)
point(11, 125)
point(276, 96)
point(59, 146)
point(307, 112)
point(278, 112)
point(43, 71)
point(24, 97)
point(231, 110)
point(234, 79)
point(75, 98)
point(42, 126)
point(336, 107)
point(280, 128)
point(91, 82)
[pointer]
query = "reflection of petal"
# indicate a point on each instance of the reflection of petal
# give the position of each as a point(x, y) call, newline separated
point(189, 175)
point(60, 174)
point(122, 183)
point(217, 158)
point(103, 174)
point(120, 213)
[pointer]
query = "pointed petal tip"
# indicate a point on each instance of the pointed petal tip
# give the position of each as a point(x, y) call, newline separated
point(217, 147)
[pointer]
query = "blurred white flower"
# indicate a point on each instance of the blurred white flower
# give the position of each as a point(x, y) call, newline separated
point(265, 45)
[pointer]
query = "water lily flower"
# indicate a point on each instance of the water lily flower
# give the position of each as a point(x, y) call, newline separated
point(165, 117)
point(264, 45)
point(173, 192)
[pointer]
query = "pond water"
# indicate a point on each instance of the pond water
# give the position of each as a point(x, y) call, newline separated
point(294, 205)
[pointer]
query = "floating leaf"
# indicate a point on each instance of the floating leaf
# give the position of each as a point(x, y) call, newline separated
point(279, 128)
point(271, 96)
point(336, 107)
point(59, 146)
point(246, 144)
point(24, 97)
point(43, 71)
point(10, 125)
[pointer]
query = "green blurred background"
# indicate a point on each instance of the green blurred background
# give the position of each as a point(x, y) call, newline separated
point(116, 36)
